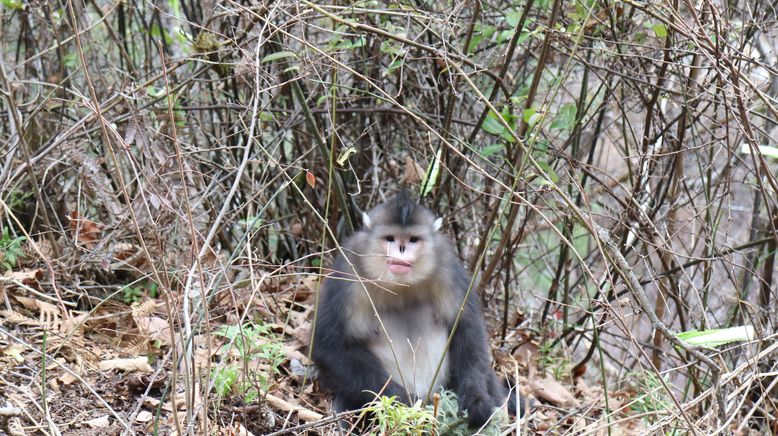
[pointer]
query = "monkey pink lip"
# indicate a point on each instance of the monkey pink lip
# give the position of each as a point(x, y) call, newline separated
point(397, 266)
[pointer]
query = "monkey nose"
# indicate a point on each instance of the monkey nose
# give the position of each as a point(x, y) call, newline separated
point(402, 248)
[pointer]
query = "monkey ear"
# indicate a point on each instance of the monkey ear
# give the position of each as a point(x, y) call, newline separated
point(366, 220)
point(437, 224)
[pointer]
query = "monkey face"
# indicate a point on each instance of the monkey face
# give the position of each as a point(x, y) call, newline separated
point(402, 255)
point(399, 242)
point(404, 252)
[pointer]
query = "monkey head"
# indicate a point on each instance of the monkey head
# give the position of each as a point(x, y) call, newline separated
point(399, 241)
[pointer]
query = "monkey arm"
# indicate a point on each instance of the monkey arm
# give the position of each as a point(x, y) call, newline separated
point(346, 365)
point(478, 389)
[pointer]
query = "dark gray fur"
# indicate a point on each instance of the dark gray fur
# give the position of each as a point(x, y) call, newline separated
point(352, 372)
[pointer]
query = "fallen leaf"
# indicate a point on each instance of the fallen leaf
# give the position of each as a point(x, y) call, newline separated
point(552, 391)
point(144, 416)
point(291, 353)
point(526, 353)
point(26, 277)
point(86, 232)
point(156, 328)
point(14, 351)
point(151, 403)
point(140, 364)
point(302, 413)
point(101, 422)
point(67, 378)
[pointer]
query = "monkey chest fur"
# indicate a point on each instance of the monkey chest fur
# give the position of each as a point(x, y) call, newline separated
point(410, 347)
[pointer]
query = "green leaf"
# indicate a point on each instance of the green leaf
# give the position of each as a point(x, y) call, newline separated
point(527, 114)
point(395, 65)
point(388, 47)
point(16, 5)
point(565, 118)
point(504, 36)
point(278, 55)
point(348, 45)
point(660, 30)
point(492, 125)
point(155, 92)
point(491, 150)
point(512, 18)
point(486, 30)
point(474, 42)
point(552, 175)
point(531, 116)
point(431, 176)
point(717, 337)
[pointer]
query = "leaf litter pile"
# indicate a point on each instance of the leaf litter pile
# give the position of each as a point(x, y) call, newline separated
point(110, 368)
point(175, 174)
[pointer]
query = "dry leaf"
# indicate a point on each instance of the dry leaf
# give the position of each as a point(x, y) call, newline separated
point(156, 328)
point(67, 378)
point(552, 391)
point(27, 302)
point(291, 353)
point(151, 403)
point(311, 179)
point(311, 282)
point(101, 422)
point(140, 364)
point(27, 276)
point(14, 351)
point(86, 232)
point(413, 172)
point(144, 416)
point(302, 413)
point(240, 430)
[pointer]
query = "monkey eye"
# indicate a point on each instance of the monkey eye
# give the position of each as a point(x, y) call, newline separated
point(414, 239)
point(389, 238)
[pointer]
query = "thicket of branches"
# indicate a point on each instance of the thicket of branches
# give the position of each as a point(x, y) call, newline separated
point(607, 168)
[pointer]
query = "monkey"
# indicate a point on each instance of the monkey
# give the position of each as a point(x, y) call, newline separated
point(387, 309)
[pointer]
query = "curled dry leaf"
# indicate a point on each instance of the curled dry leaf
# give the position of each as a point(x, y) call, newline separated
point(140, 364)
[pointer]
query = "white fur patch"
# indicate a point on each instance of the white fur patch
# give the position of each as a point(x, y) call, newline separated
point(437, 224)
point(366, 221)
point(418, 343)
